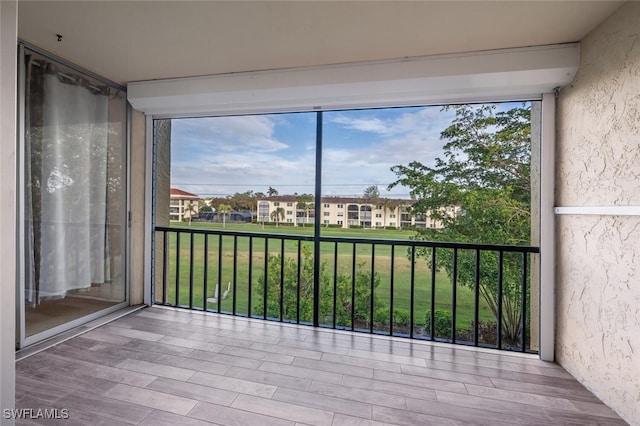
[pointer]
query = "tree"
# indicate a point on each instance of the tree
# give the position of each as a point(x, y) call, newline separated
point(387, 205)
point(223, 209)
point(243, 201)
point(480, 191)
point(371, 194)
point(305, 203)
point(277, 215)
point(191, 209)
point(272, 191)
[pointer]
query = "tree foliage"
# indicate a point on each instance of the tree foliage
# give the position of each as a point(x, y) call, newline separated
point(371, 194)
point(305, 203)
point(223, 209)
point(480, 191)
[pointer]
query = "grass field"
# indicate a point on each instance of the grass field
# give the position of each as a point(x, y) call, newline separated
point(221, 266)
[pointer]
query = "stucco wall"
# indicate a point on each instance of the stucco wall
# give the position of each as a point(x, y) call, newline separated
point(138, 170)
point(598, 164)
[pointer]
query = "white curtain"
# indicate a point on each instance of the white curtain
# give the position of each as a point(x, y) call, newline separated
point(66, 181)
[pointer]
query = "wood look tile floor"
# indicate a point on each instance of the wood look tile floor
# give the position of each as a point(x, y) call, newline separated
point(160, 366)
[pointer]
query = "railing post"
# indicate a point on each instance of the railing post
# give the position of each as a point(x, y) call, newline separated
point(476, 298)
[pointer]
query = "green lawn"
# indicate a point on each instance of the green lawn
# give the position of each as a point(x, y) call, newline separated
point(221, 263)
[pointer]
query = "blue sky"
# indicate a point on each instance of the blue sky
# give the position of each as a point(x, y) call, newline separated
point(219, 156)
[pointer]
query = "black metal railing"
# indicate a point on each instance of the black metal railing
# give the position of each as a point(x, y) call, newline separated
point(474, 294)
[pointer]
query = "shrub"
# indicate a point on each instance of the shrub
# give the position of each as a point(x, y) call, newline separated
point(400, 316)
point(290, 283)
point(442, 323)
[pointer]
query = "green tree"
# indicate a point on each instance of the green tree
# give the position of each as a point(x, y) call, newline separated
point(243, 201)
point(305, 203)
point(371, 194)
point(191, 209)
point(224, 209)
point(277, 215)
point(272, 191)
point(204, 206)
point(480, 191)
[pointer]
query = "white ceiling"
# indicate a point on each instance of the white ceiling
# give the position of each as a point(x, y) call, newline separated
point(144, 40)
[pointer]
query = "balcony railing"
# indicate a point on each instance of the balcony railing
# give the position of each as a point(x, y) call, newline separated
point(473, 294)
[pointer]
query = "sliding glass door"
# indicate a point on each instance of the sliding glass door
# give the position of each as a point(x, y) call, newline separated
point(73, 201)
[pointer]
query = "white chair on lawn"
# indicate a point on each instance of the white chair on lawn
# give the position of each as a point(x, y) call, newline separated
point(224, 295)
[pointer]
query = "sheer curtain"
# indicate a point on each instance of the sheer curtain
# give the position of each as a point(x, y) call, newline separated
point(66, 183)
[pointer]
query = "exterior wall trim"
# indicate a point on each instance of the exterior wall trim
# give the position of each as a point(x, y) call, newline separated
point(599, 210)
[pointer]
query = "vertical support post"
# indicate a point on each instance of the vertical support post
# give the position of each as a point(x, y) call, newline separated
point(391, 289)
point(454, 295)
point(432, 325)
point(250, 277)
point(235, 274)
point(177, 298)
point(205, 272)
point(500, 268)
point(298, 282)
point(547, 230)
point(476, 298)
point(316, 221)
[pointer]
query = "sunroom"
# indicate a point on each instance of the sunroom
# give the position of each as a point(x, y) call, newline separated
point(100, 85)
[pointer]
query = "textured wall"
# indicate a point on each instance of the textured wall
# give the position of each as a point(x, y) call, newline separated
point(598, 164)
point(138, 227)
point(162, 195)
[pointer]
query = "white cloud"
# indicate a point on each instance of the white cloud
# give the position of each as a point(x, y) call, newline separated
point(234, 154)
point(228, 133)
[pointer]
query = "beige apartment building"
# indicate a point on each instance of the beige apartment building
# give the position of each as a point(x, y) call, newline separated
point(345, 212)
point(179, 204)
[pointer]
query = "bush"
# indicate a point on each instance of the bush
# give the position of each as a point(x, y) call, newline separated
point(442, 324)
point(355, 226)
point(290, 283)
point(400, 316)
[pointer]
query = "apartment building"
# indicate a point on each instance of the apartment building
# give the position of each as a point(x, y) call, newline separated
point(179, 205)
point(346, 212)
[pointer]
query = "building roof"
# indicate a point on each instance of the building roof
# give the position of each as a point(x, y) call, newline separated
point(179, 193)
point(341, 200)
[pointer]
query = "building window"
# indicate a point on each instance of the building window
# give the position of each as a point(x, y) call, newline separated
point(340, 214)
point(392, 224)
point(289, 204)
point(326, 222)
point(289, 212)
point(326, 206)
point(378, 214)
point(340, 206)
point(276, 204)
point(378, 223)
point(339, 222)
point(289, 220)
point(327, 213)
point(392, 216)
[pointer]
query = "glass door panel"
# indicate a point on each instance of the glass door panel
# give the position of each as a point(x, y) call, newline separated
point(74, 199)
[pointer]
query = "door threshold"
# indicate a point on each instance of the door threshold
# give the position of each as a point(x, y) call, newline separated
point(74, 332)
